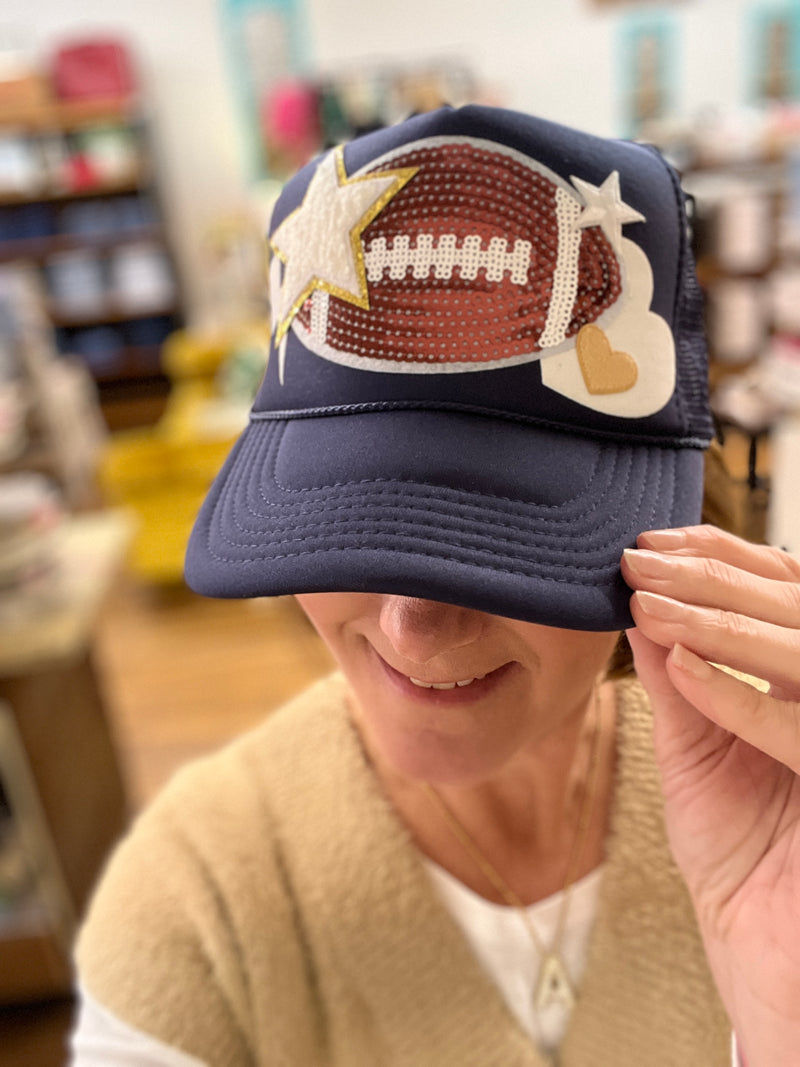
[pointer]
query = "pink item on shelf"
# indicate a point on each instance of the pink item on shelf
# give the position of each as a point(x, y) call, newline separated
point(290, 118)
point(93, 69)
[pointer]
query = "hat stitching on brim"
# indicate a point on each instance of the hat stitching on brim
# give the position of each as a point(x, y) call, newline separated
point(390, 523)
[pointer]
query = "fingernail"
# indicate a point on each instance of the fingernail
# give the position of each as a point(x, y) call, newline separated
point(644, 561)
point(663, 540)
point(663, 607)
point(689, 663)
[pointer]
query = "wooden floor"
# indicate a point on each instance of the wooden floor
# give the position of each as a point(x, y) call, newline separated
point(181, 675)
point(184, 674)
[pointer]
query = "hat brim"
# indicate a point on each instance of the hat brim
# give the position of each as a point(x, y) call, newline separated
point(509, 518)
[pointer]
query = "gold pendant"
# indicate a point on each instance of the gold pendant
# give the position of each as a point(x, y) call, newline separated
point(554, 986)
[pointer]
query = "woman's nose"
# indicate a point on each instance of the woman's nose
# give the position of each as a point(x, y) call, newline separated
point(419, 630)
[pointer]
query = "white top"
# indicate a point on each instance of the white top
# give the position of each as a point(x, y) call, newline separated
point(500, 939)
point(101, 1039)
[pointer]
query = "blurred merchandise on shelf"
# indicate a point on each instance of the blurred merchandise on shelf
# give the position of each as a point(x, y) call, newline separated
point(140, 278)
point(13, 413)
point(53, 423)
point(647, 46)
point(75, 281)
point(13, 394)
point(743, 173)
point(774, 43)
point(234, 262)
point(290, 109)
point(266, 43)
point(162, 473)
point(20, 167)
point(79, 201)
point(292, 124)
point(301, 116)
point(30, 512)
point(94, 68)
point(737, 319)
point(767, 391)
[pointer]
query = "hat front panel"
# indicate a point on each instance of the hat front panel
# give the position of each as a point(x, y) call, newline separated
point(472, 256)
point(477, 260)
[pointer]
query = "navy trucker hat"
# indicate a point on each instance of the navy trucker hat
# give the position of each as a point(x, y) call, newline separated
point(487, 375)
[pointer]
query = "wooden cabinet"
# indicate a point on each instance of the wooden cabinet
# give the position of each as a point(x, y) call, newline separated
point(79, 200)
point(62, 795)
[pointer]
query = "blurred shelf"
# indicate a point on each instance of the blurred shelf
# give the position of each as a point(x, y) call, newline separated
point(86, 195)
point(111, 313)
point(124, 186)
point(40, 249)
point(69, 115)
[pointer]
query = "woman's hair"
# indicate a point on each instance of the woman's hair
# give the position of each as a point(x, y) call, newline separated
point(719, 509)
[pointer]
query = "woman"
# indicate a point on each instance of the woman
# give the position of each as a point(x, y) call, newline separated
point(488, 379)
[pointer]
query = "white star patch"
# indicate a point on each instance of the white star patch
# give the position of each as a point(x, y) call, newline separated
point(319, 243)
point(605, 208)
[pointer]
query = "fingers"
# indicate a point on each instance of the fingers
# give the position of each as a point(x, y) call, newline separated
point(681, 684)
point(748, 645)
point(728, 601)
point(714, 582)
point(712, 543)
point(679, 727)
point(771, 725)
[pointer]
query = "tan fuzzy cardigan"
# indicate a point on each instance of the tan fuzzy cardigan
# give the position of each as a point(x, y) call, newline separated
point(269, 909)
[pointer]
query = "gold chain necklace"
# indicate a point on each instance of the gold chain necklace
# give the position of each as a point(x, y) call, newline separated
point(554, 985)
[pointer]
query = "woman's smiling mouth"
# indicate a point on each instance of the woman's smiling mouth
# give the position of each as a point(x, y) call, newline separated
point(450, 690)
point(445, 685)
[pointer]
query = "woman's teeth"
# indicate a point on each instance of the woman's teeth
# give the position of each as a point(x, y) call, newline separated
point(446, 685)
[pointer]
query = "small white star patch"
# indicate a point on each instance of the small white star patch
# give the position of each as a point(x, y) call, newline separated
point(605, 208)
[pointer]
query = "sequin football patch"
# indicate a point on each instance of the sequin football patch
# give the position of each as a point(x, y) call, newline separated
point(455, 254)
point(447, 254)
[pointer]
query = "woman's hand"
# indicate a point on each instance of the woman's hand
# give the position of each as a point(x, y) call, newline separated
point(729, 755)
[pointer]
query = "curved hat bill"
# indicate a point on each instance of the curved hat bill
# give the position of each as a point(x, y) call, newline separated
point(516, 521)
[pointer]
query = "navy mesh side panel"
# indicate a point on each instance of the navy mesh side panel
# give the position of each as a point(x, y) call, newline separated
point(691, 350)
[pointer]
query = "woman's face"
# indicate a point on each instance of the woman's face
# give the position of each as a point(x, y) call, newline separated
point(451, 695)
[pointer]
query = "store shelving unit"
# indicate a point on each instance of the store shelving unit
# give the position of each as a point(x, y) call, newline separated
point(79, 201)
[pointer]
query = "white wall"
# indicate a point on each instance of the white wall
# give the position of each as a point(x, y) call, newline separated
point(558, 58)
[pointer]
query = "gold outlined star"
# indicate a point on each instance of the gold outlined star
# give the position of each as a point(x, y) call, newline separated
point(319, 243)
point(605, 208)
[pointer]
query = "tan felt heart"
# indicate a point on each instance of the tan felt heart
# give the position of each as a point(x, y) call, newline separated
point(604, 369)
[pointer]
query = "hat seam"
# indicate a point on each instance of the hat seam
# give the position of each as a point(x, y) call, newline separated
point(598, 573)
point(458, 498)
point(275, 447)
point(378, 406)
point(524, 531)
point(359, 532)
point(359, 526)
